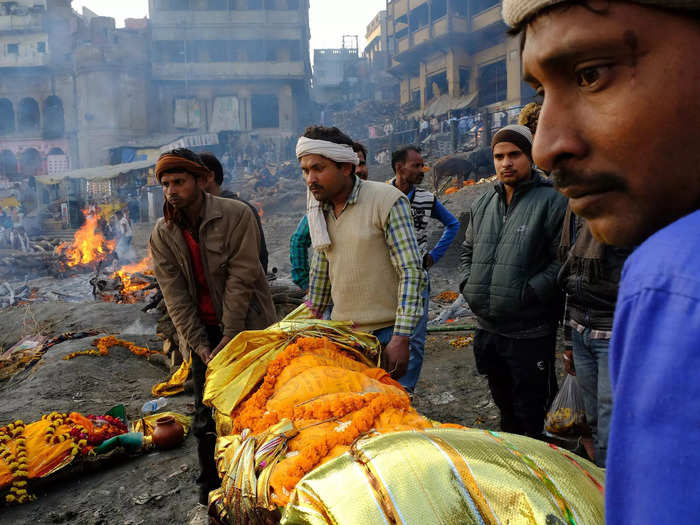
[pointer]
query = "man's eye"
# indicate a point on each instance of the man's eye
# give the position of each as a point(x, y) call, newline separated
point(588, 76)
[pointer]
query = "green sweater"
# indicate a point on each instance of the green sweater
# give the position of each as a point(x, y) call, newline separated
point(509, 259)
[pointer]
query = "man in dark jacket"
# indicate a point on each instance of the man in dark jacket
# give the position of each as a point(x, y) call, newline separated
point(590, 276)
point(509, 263)
point(213, 185)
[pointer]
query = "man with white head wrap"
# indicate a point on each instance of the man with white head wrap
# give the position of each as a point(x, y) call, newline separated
point(366, 262)
point(619, 130)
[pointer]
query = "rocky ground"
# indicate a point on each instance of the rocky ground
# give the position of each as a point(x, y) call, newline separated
point(159, 487)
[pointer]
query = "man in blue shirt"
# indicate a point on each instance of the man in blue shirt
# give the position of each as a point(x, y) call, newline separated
point(620, 129)
point(409, 168)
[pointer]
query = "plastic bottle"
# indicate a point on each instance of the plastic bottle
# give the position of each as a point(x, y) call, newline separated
point(154, 405)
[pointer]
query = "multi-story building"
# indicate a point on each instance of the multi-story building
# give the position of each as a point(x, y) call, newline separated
point(230, 65)
point(64, 82)
point(454, 47)
point(337, 74)
point(34, 90)
point(378, 59)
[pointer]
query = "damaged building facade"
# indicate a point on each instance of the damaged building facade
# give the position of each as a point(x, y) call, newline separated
point(74, 86)
point(457, 48)
point(230, 65)
point(64, 82)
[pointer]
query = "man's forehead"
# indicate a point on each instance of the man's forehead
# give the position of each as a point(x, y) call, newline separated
point(504, 148)
point(173, 176)
point(571, 33)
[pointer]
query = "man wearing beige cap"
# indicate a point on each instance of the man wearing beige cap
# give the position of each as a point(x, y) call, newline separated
point(619, 129)
point(509, 271)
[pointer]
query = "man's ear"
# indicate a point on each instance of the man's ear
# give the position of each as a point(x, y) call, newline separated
point(346, 169)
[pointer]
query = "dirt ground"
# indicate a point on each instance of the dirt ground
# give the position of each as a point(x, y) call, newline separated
point(159, 487)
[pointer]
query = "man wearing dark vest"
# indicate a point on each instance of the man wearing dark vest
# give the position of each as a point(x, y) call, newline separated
point(206, 259)
point(409, 168)
point(510, 266)
point(366, 261)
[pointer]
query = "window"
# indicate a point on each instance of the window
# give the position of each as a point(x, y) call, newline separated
point(459, 7)
point(255, 4)
point(265, 110)
point(492, 83)
point(28, 115)
point(255, 50)
point(437, 85)
point(41, 47)
point(7, 117)
point(179, 5)
point(218, 5)
point(169, 51)
point(439, 9)
point(464, 78)
point(419, 17)
point(293, 5)
point(13, 49)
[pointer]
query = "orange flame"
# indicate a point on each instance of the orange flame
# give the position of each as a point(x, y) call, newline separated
point(125, 274)
point(260, 210)
point(88, 246)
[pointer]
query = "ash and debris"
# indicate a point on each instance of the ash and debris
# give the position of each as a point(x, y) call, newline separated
point(160, 487)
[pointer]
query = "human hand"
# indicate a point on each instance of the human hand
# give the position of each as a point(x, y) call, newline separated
point(428, 261)
point(396, 355)
point(569, 361)
point(204, 353)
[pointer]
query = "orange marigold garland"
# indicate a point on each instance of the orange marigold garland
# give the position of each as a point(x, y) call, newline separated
point(360, 423)
point(252, 413)
point(103, 345)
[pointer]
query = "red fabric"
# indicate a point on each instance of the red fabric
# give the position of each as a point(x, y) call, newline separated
point(207, 313)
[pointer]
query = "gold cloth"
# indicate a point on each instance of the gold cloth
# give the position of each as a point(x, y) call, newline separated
point(149, 422)
point(176, 383)
point(241, 365)
point(450, 476)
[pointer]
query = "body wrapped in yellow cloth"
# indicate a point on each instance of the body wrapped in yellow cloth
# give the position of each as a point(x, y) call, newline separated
point(311, 431)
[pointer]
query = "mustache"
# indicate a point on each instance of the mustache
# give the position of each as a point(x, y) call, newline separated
point(565, 177)
point(316, 187)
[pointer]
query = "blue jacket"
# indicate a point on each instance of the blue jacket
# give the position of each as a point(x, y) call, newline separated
point(654, 444)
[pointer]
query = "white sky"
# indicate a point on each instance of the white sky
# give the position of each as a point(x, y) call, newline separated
point(330, 19)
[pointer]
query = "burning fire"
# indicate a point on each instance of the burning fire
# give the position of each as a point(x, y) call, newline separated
point(125, 274)
point(88, 246)
point(260, 210)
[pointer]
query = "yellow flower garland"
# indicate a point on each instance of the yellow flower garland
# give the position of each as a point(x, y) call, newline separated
point(17, 461)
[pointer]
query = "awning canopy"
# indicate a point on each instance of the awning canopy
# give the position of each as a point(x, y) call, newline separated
point(99, 173)
point(444, 103)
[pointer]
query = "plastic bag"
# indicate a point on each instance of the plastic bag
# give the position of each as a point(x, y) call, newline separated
point(567, 415)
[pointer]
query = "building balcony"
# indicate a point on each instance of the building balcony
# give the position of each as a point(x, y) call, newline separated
point(21, 23)
point(442, 32)
point(33, 60)
point(486, 18)
point(227, 18)
point(228, 71)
